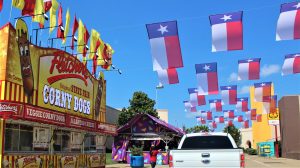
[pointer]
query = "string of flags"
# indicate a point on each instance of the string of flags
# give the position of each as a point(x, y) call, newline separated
point(227, 35)
point(87, 44)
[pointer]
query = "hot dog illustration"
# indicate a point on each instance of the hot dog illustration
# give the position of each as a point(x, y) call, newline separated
point(98, 97)
point(24, 52)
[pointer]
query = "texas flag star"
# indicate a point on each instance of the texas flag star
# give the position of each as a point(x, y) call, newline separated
point(206, 67)
point(297, 6)
point(162, 29)
point(225, 17)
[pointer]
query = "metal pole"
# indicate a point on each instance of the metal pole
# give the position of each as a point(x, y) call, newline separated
point(36, 36)
point(156, 97)
point(276, 143)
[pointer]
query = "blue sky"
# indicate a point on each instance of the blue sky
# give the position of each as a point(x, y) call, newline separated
point(122, 24)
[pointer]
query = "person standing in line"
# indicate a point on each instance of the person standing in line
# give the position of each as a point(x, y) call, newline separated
point(153, 155)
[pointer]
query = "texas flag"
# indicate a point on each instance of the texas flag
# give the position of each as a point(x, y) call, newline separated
point(165, 46)
point(212, 124)
point(229, 114)
point(229, 123)
point(207, 115)
point(229, 94)
point(195, 99)
point(249, 69)
point(207, 77)
point(238, 118)
point(187, 105)
point(227, 31)
point(288, 24)
point(246, 124)
point(291, 64)
point(262, 91)
point(253, 114)
point(219, 119)
point(201, 120)
point(242, 104)
point(167, 76)
point(215, 105)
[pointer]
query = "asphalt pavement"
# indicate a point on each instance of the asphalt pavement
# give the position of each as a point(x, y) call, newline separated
point(251, 162)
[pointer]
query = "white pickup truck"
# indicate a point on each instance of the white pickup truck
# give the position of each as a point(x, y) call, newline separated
point(207, 150)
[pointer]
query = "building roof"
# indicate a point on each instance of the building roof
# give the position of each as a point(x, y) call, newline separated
point(158, 122)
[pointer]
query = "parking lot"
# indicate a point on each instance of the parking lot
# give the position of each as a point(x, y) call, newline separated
point(251, 161)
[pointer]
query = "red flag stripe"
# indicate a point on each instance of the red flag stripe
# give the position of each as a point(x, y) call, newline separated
point(296, 65)
point(173, 52)
point(201, 100)
point(297, 26)
point(212, 80)
point(254, 68)
point(232, 97)
point(173, 76)
point(234, 35)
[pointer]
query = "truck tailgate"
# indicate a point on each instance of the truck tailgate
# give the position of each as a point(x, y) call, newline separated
point(206, 158)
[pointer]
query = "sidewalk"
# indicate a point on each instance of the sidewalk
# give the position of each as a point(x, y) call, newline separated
point(127, 166)
point(257, 161)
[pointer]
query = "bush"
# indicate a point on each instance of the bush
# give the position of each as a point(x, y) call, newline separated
point(251, 151)
point(136, 151)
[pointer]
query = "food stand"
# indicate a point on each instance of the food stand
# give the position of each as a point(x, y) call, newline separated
point(144, 130)
point(48, 100)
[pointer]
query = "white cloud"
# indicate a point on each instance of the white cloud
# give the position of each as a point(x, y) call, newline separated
point(192, 114)
point(269, 70)
point(233, 77)
point(244, 90)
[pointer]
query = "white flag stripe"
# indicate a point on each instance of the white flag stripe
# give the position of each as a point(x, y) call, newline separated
point(225, 96)
point(159, 54)
point(258, 94)
point(243, 73)
point(288, 66)
point(202, 83)
point(239, 105)
point(194, 99)
point(163, 77)
point(212, 106)
point(219, 37)
point(285, 25)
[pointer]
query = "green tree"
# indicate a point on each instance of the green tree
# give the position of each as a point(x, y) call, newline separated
point(139, 104)
point(197, 128)
point(235, 133)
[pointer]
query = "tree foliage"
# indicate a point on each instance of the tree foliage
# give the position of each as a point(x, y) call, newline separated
point(235, 133)
point(139, 104)
point(195, 129)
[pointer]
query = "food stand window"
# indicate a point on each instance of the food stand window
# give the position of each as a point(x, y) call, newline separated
point(61, 140)
point(90, 143)
point(14, 137)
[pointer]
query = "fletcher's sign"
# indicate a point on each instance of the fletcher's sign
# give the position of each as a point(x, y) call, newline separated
point(65, 85)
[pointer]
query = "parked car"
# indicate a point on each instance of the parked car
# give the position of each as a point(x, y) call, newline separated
point(207, 150)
